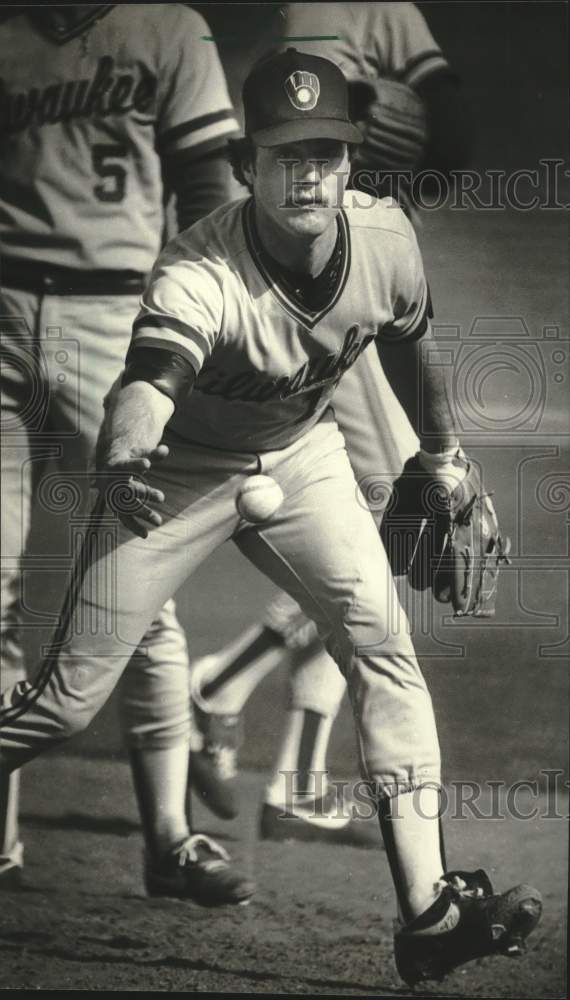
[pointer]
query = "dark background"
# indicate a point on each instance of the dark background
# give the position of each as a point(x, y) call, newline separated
point(512, 59)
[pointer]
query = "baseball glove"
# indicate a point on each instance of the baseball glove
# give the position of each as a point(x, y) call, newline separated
point(447, 540)
point(393, 121)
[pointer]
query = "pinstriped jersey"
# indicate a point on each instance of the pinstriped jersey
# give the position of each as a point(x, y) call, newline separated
point(82, 116)
point(267, 364)
point(373, 39)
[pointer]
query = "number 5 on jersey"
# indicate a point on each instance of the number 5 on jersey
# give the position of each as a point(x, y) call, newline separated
point(104, 157)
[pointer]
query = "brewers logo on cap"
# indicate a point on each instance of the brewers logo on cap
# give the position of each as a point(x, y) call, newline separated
point(283, 86)
point(303, 90)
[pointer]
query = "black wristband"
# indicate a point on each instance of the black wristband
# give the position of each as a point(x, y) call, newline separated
point(167, 371)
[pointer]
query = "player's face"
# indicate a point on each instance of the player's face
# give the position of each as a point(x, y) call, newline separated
point(300, 185)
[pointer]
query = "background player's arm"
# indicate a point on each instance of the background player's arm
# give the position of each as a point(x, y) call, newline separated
point(199, 184)
point(416, 59)
point(402, 48)
point(196, 119)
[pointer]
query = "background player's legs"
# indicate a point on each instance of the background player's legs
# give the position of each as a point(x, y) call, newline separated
point(16, 474)
point(154, 689)
point(323, 547)
point(23, 404)
point(154, 712)
point(223, 681)
point(316, 689)
point(221, 684)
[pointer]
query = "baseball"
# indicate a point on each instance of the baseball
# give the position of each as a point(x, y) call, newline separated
point(259, 498)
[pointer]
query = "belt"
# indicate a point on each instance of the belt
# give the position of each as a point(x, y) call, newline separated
point(50, 279)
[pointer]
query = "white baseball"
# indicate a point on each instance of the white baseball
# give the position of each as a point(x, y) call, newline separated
point(259, 498)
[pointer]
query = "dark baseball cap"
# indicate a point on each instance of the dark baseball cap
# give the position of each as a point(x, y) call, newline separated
point(292, 95)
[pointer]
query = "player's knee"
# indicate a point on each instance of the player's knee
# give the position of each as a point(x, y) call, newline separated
point(370, 634)
point(154, 722)
point(73, 723)
point(70, 728)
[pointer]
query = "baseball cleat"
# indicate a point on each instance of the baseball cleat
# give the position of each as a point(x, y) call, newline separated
point(465, 922)
point(321, 819)
point(213, 769)
point(12, 867)
point(199, 869)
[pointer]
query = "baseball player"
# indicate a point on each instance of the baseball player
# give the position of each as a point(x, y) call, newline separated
point(378, 45)
point(248, 321)
point(99, 122)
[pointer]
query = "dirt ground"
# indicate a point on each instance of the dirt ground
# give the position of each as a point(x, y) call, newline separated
point(320, 924)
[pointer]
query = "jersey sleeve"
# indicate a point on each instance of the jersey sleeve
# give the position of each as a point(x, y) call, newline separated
point(367, 40)
point(405, 45)
point(181, 309)
point(412, 307)
point(195, 111)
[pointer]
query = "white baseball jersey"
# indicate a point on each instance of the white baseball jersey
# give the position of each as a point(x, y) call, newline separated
point(267, 366)
point(366, 40)
point(80, 181)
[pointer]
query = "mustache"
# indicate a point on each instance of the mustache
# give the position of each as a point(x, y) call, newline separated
point(294, 199)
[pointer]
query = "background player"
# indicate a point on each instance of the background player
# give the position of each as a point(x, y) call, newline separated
point(100, 122)
point(234, 360)
point(376, 42)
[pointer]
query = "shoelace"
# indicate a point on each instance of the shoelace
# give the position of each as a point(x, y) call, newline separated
point(459, 887)
point(189, 851)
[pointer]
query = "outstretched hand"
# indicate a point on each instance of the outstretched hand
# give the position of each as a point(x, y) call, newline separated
point(121, 481)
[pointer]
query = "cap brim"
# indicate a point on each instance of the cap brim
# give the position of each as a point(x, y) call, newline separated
point(310, 128)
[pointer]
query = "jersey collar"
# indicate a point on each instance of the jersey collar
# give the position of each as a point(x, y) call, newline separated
point(268, 268)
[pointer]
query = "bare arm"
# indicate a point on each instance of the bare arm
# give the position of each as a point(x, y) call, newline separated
point(422, 385)
point(134, 423)
point(129, 443)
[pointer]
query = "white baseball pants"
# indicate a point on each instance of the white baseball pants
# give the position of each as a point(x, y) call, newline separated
point(322, 547)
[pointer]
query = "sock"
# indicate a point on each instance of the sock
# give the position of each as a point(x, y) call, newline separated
point(229, 676)
point(9, 801)
point(160, 777)
point(300, 769)
point(411, 829)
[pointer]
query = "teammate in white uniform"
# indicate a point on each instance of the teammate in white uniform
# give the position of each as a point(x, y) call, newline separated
point(234, 359)
point(103, 110)
point(373, 41)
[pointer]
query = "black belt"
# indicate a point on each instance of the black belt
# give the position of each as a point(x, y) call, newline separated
point(49, 279)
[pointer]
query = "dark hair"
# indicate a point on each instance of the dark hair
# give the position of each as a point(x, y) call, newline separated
point(241, 152)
